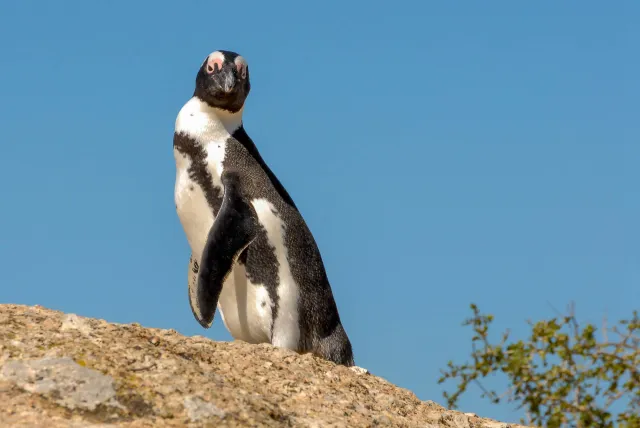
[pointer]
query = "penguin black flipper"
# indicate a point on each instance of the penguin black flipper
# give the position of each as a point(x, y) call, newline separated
point(233, 230)
point(192, 284)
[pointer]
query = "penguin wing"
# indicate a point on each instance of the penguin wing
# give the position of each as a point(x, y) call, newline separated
point(234, 228)
point(192, 282)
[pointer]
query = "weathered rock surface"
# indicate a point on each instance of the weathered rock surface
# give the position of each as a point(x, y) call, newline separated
point(60, 370)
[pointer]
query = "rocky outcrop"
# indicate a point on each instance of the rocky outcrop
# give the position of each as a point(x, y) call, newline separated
point(61, 370)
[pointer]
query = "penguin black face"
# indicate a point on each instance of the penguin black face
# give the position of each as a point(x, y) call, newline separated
point(223, 81)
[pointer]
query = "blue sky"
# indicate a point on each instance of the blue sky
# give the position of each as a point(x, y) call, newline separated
point(441, 153)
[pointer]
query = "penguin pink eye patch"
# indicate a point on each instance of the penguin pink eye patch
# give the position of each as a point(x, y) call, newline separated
point(214, 64)
point(241, 66)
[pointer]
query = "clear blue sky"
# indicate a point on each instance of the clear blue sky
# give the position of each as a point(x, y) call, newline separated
point(442, 154)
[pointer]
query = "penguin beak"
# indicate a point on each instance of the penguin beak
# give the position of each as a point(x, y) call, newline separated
point(228, 80)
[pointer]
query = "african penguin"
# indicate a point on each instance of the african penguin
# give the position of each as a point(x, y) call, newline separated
point(252, 254)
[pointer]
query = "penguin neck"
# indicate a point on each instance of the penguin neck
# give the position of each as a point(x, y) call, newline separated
point(199, 119)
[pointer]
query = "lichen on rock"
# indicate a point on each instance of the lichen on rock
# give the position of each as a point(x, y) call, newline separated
point(200, 410)
point(66, 382)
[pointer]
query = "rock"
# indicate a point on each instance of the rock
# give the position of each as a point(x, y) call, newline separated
point(455, 420)
point(68, 383)
point(359, 370)
point(200, 410)
point(74, 322)
point(62, 370)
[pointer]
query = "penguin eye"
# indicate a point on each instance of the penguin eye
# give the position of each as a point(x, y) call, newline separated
point(241, 66)
point(242, 70)
point(214, 64)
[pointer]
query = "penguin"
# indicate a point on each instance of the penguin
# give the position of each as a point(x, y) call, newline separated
point(253, 256)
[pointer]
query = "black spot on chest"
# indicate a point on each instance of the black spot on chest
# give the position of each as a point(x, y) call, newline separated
point(198, 171)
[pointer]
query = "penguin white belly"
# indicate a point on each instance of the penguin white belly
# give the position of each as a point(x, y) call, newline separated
point(286, 329)
point(245, 308)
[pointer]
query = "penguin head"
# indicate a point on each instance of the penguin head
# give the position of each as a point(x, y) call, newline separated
point(223, 81)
